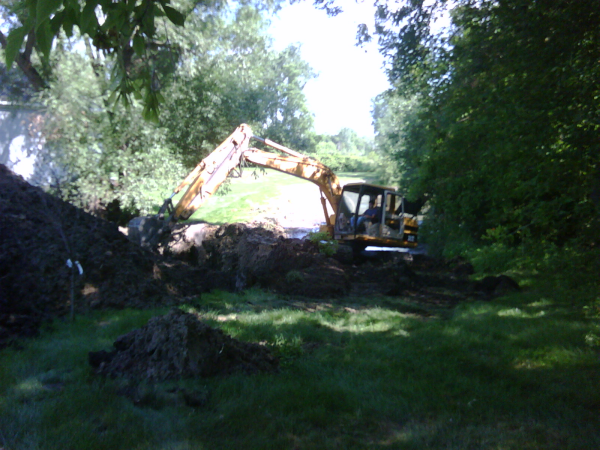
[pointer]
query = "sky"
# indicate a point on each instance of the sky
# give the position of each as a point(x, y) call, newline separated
point(349, 77)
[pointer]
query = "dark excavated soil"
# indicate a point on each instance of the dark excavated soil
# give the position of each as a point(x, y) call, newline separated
point(179, 345)
point(238, 256)
point(39, 233)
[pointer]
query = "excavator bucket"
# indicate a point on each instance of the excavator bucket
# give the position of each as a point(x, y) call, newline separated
point(201, 184)
point(146, 231)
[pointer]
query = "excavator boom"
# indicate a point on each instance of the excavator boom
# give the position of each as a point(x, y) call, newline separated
point(393, 228)
point(302, 167)
point(212, 171)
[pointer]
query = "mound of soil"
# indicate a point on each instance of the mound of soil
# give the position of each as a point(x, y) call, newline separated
point(238, 256)
point(178, 345)
point(39, 233)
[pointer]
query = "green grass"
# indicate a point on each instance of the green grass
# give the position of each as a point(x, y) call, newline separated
point(243, 198)
point(520, 372)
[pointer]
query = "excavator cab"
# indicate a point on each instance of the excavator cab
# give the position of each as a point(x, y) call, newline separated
point(391, 222)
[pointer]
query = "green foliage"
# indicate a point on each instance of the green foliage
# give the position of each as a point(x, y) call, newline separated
point(346, 152)
point(348, 142)
point(328, 154)
point(445, 238)
point(402, 140)
point(494, 258)
point(229, 75)
point(323, 240)
point(483, 117)
point(96, 154)
point(224, 73)
point(294, 276)
point(124, 29)
point(13, 84)
point(347, 163)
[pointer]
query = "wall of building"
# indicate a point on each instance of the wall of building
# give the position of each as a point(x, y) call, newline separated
point(20, 142)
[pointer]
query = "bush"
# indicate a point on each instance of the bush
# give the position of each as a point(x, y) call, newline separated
point(445, 238)
point(339, 162)
point(327, 246)
point(93, 153)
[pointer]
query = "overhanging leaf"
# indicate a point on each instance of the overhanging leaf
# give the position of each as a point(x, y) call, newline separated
point(70, 19)
point(174, 16)
point(88, 23)
point(44, 10)
point(57, 22)
point(44, 38)
point(139, 45)
point(13, 45)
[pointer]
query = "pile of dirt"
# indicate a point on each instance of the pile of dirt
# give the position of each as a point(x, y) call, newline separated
point(239, 256)
point(39, 233)
point(178, 345)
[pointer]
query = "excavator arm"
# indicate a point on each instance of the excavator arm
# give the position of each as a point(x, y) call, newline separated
point(212, 171)
point(302, 167)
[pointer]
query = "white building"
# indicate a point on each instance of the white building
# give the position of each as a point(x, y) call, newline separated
point(20, 142)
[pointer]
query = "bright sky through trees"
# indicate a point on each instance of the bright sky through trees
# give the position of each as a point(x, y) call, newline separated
point(349, 76)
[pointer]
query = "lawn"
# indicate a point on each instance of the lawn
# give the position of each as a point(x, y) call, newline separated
point(242, 199)
point(519, 372)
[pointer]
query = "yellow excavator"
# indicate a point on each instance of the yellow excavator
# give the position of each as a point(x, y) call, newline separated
point(390, 220)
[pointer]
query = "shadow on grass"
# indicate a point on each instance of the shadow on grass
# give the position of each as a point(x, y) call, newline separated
point(509, 374)
point(488, 374)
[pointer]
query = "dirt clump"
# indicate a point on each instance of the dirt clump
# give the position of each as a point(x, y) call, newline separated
point(497, 285)
point(39, 233)
point(393, 277)
point(179, 345)
point(238, 256)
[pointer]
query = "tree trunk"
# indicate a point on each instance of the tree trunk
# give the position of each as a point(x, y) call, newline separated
point(23, 60)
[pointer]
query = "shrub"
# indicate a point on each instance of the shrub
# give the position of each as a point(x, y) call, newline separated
point(293, 276)
point(327, 246)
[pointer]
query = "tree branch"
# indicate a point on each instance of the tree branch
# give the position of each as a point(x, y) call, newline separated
point(23, 60)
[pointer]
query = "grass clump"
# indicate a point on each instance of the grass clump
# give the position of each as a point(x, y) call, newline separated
point(294, 276)
point(323, 240)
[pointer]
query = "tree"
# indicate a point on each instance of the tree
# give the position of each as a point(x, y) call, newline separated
point(229, 74)
point(401, 140)
point(130, 31)
point(124, 29)
point(509, 101)
point(225, 73)
point(346, 152)
point(94, 154)
point(349, 142)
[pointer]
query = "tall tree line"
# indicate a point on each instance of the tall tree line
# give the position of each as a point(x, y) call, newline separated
point(218, 71)
point(496, 119)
